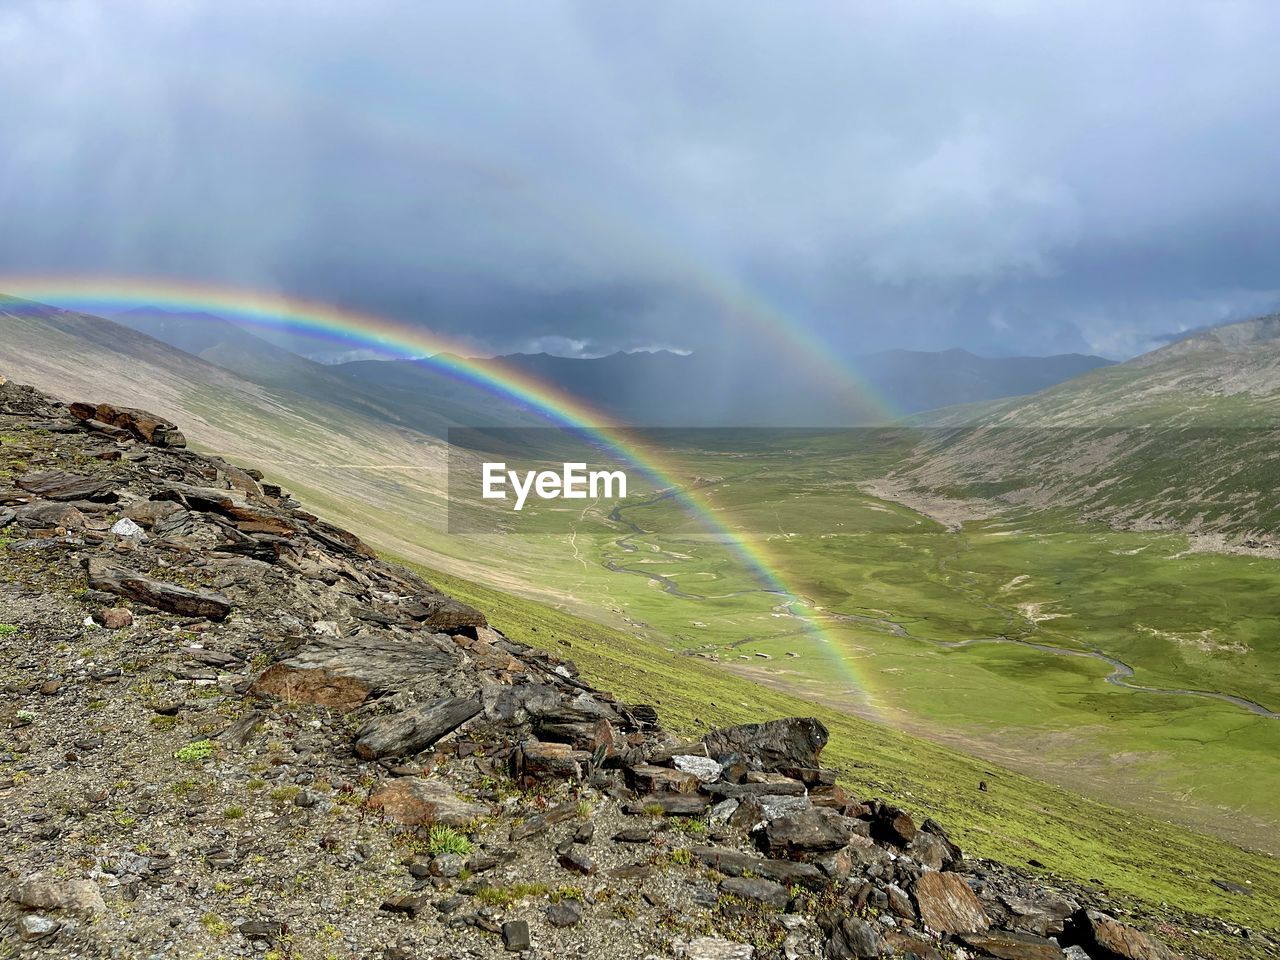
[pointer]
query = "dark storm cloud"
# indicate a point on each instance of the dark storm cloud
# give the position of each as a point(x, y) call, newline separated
point(1013, 177)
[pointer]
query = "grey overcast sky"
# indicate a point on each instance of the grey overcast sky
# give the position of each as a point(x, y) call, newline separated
point(1008, 177)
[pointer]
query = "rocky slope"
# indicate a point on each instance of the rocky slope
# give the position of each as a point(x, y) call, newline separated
point(229, 729)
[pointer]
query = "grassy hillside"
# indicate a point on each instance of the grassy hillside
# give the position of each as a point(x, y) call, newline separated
point(1186, 437)
point(1016, 819)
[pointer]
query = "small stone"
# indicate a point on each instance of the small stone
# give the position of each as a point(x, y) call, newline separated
point(449, 904)
point(262, 929)
point(515, 935)
point(33, 927)
point(578, 861)
point(124, 527)
point(447, 865)
point(412, 904)
point(704, 768)
point(566, 913)
point(115, 618)
point(713, 948)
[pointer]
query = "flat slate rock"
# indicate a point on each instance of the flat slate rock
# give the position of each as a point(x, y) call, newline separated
point(1006, 945)
point(61, 485)
point(413, 730)
point(170, 597)
point(757, 889)
point(947, 904)
point(418, 801)
point(736, 864)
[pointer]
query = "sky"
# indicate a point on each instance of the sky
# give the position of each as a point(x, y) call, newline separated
point(1013, 178)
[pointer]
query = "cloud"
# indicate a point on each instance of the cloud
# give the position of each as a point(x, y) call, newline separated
point(1008, 177)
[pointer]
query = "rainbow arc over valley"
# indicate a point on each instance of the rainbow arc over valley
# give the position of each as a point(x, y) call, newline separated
point(270, 311)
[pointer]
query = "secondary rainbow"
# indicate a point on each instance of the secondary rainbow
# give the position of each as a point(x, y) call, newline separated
point(275, 312)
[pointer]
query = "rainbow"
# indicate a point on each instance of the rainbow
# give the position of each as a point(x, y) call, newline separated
point(639, 232)
point(276, 312)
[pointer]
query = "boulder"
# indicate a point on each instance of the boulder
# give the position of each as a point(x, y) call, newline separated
point(704, 768)
point(342, 672)
point(322, 688)
point(852, 938)
point(1043, 917)
point(932, 847)
point(773, 745)
point(777, 788)
point(439, 612)
point(668, 804)
point(536, 760)
point(47, 516)
point(418, 801)
point(947, 904)
point(808, 832)
point(892, 825)
point(247, 515)
point(713, 948)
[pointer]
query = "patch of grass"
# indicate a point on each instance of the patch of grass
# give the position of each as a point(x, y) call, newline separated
point(505, 896)
point(445, 839)
point(196, 752)
point(214, 925)
point(285, 794)
point(186, 787)
point(7, 629)
point(234, 812)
